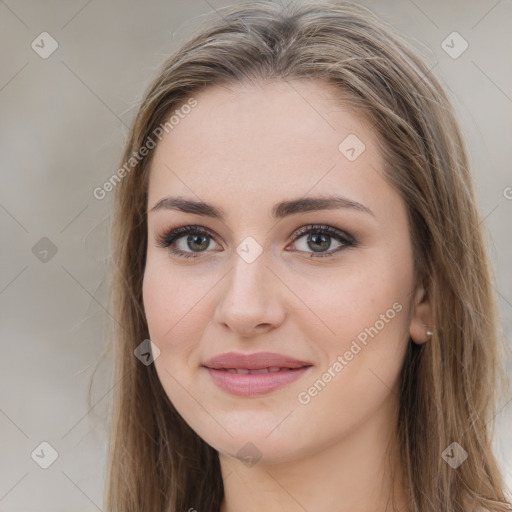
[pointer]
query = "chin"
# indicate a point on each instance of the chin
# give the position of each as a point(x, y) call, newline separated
point(257, 451)
point(255, 443)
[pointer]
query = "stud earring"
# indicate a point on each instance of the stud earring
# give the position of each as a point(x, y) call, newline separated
point(429, 333)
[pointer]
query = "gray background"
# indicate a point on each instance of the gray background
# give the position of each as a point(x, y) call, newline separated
point(63, 121)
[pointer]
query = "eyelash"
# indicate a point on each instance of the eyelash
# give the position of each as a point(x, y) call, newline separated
point(167, 239)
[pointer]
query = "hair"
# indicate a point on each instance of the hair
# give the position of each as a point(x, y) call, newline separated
point(448, 386)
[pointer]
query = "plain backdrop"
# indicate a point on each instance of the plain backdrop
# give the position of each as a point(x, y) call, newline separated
point(63, 121)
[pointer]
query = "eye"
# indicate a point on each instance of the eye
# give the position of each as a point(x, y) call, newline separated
point(190, 241)
point(186, 241)
point(319, 239)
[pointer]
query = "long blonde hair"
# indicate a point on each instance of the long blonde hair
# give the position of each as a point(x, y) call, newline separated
point(448, 385)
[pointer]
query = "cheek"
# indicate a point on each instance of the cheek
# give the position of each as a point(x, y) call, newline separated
point(173, 309)
point(178, 312)
point(369, 314)
point(172, 301)
point(367, 311)
point(371, 293)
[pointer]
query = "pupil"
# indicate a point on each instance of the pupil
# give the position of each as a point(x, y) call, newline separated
point(194, 239)
point(321, 239)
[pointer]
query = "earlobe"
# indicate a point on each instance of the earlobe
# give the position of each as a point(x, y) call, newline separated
point(420, 329)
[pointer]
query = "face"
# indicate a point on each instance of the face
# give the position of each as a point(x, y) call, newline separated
point(266, 267)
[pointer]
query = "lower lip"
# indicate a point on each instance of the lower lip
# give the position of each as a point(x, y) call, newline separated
point(250, 384)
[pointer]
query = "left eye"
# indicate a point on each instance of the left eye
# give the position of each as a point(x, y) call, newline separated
point(191, 241)
point(319, 239)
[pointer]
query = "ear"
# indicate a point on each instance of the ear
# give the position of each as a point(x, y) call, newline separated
point(421, 319)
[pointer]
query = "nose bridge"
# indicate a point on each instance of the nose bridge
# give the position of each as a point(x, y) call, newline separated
point(248, 277)
point(249, 299)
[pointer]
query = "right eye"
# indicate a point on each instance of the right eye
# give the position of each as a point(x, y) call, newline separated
point(186, 241)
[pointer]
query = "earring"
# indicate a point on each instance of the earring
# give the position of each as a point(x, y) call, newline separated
point(429, 333)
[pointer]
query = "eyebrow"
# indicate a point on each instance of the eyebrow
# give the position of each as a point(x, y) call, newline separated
point(279, 211)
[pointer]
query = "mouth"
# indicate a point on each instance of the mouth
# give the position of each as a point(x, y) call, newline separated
point(245, 371)
point(254, 374)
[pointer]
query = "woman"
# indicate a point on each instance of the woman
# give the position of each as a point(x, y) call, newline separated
point(296, 232)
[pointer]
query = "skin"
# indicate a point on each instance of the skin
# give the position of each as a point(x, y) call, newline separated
point(245, 148)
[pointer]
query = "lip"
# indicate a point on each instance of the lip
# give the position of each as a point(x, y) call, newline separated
point(224, 368)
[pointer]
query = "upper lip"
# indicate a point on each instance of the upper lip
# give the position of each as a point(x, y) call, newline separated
point(254, 361)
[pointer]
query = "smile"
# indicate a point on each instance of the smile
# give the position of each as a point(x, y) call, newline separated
point(254, 374)
point(245, 371)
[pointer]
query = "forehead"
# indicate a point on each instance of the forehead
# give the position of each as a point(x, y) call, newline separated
point(255, 144)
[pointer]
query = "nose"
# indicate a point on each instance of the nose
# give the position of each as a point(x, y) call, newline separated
point(251, 300)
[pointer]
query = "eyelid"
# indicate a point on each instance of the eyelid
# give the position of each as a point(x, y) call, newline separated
point(331, 230)
point(169, 236)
